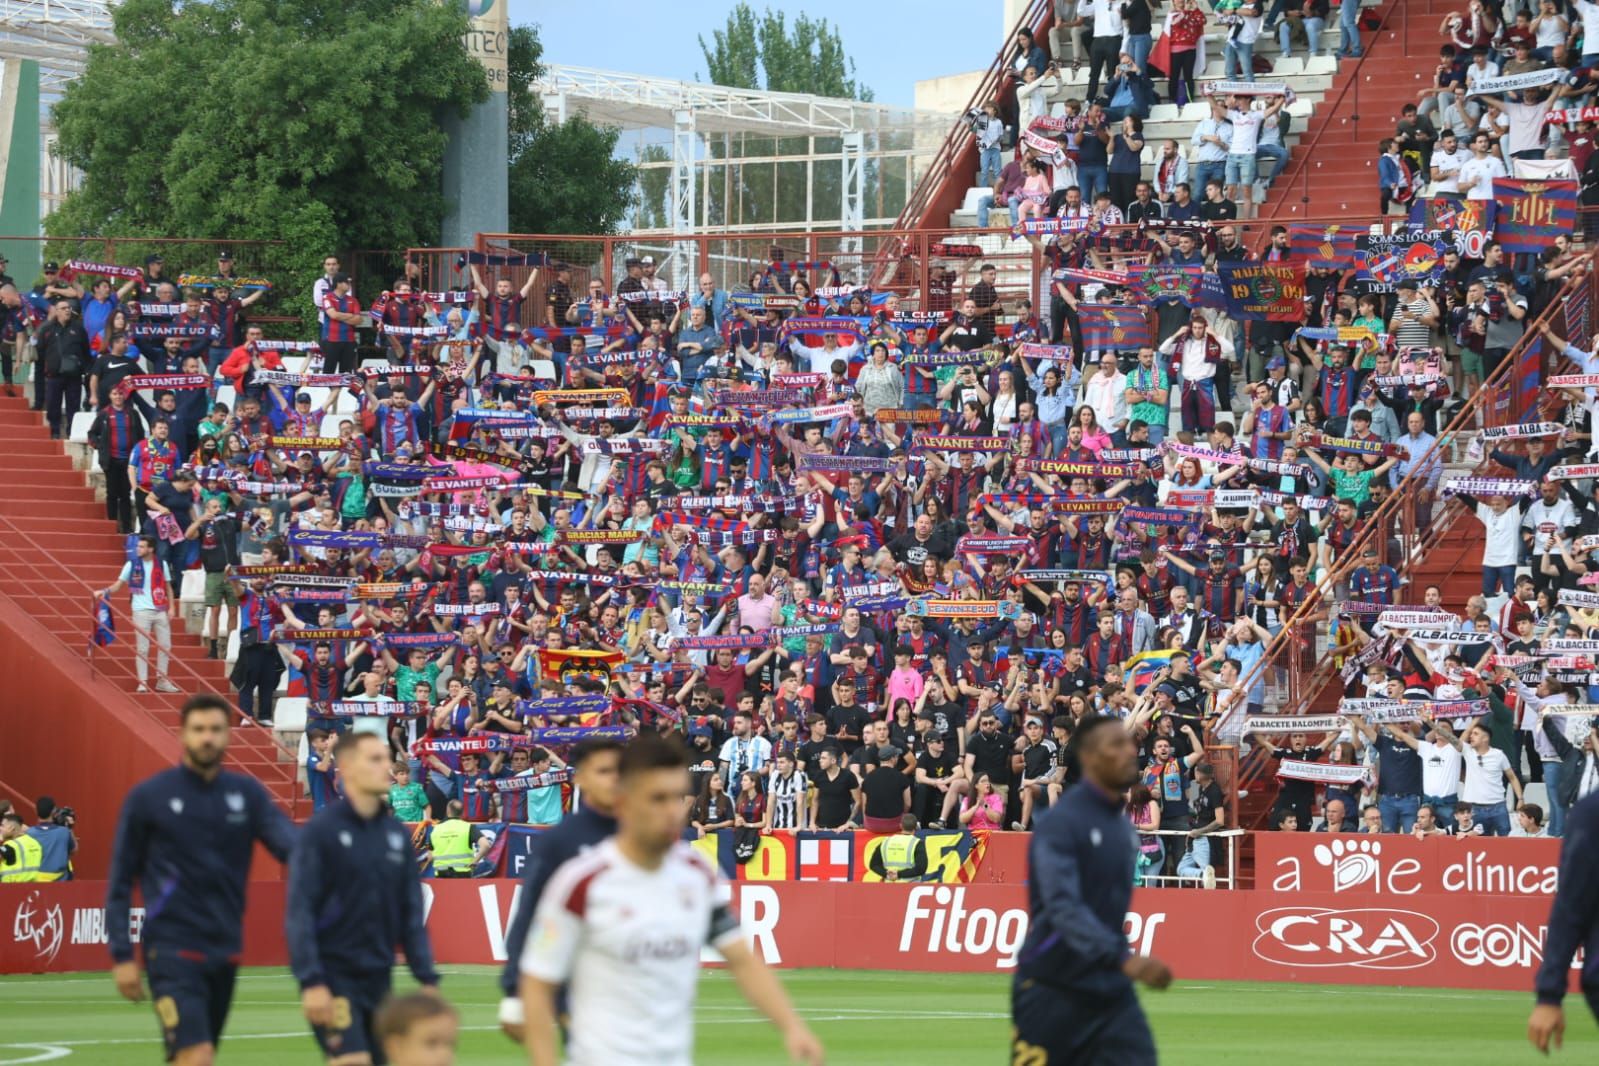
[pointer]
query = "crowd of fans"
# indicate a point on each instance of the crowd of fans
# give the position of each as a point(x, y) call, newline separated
point(866, 561)
point(741, 535)
point(1466, 127)
point(1515, 84)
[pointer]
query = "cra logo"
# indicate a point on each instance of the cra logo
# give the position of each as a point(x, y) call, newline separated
point(1368, 939)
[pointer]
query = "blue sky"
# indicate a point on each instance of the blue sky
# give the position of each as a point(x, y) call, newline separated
point(890, 53)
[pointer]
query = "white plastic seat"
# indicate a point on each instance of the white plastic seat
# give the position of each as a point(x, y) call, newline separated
point(289, 714)
point(193, 590)
point(79, 433)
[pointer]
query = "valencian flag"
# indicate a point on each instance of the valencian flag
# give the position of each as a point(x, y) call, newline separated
point(1332, 247)
point(1264, 292)
point(1115, 326)
point(1533, 213)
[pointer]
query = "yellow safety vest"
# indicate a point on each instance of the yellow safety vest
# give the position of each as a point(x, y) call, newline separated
point(452, 846)
point(899, 852)
point(25, 867)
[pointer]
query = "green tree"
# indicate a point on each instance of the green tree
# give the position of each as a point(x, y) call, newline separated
point(767, 52)
point(564, 176)
point(295, 120)
point(653, 211)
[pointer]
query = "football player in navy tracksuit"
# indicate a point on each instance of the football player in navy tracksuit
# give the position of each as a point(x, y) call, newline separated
point(1573, 922)
point(595, 768)
point(187, 835)
point(1072, 999)
point(354, 895)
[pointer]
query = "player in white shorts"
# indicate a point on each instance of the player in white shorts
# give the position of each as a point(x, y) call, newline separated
point(622, 926)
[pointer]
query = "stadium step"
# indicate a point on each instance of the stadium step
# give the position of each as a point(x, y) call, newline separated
point(58, 546)
point(1333, 166)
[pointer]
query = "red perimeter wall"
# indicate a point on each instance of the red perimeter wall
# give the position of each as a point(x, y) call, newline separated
point(1447, 941)
point(66, 736)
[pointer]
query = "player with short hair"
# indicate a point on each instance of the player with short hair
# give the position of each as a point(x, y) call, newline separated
point(1072, 998)
point(187, 835)
point(354, 894)
point(594, 766)
point(623, 924)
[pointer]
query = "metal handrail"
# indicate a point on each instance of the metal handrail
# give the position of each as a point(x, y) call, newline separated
point(1033, 17)
point(14, 534)
point(1329, 107)
point(1374, 529)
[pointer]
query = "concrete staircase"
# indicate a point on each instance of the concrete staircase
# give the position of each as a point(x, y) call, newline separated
point(1332, 169)
point(56, 547)
point(1310, 77)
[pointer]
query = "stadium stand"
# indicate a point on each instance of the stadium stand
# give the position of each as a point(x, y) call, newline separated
point(810, 503)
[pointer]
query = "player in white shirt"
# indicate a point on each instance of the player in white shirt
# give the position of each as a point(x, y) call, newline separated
point(622, 927)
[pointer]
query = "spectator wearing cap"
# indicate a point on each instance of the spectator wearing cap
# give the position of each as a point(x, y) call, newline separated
point(154, 275)
point(54, 287)
point(5, 278)
point(1039, 769)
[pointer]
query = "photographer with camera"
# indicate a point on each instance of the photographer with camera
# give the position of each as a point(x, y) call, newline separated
point(53, 832)
point(990, 132)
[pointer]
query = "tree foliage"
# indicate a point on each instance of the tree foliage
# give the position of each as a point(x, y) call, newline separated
point(767, 52)
point(564, 176)
point(294, 120)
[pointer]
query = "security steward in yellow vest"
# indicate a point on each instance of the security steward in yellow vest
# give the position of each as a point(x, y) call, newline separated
point(901, 857)
point(453, 843)
point(20, 854)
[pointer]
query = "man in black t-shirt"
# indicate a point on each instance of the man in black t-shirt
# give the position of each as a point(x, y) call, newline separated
point(1038, 769)
point(846, 719)
point(885, 795)
point(1210, 816)
point(948, 719)
point(834, 793)
point(1294, 795)
point(936, 769)
point(816, 742)
point(989, 752)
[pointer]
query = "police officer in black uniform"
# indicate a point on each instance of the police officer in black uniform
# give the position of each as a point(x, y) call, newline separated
point(354, 895)
point(187, 835)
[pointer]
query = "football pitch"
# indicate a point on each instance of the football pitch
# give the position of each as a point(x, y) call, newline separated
point(876, 1018)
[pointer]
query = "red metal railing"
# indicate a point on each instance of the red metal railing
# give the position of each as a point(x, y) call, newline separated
point(1304, 150)
point(1396, 524)
point(280, 763)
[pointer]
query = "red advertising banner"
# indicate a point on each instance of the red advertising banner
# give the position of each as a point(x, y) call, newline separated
point(1390, 866)
point(1458, 940)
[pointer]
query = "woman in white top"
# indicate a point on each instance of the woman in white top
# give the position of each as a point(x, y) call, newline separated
point(1002, 408)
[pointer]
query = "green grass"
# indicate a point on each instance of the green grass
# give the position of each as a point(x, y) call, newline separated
point(865, 1018)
